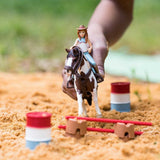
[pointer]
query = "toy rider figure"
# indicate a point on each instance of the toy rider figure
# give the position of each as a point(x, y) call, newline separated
point(84, 43)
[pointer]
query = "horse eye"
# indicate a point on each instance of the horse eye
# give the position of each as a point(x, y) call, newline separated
point(77, 54)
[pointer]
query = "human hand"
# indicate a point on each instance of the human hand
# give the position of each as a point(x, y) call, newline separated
point(108, 23)
point(89, 50)
point(100, 46)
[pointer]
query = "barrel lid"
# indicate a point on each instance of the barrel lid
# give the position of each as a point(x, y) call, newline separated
point(120, 87)
point(39, 119)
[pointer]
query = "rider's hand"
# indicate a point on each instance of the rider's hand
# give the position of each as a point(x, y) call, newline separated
point(89, 50)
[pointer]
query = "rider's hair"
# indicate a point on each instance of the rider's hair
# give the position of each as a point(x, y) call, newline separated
point(86, 34)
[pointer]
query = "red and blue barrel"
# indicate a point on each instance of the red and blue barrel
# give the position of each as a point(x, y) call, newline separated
point(120, 96)
point(38, 129)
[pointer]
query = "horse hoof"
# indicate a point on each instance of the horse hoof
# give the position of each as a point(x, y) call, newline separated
point(99, 116)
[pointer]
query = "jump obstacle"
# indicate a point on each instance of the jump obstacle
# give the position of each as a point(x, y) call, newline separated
point(121, 126)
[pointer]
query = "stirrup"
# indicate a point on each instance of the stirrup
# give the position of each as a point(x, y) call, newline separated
point(99, 78)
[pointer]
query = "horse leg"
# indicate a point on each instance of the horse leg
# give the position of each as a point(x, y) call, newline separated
point(84, 109)
point(80, 104)
point(95, 99)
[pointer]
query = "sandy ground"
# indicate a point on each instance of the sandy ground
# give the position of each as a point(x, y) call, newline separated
point(22, 93)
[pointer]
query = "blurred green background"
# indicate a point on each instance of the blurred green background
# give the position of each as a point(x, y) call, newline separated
point(34, 33)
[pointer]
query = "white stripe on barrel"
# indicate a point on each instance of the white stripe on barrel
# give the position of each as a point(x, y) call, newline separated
point(37, 134)
point(120, 96)
point(38, 129)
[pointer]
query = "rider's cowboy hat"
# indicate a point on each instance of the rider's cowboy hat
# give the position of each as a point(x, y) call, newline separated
point(82, 27)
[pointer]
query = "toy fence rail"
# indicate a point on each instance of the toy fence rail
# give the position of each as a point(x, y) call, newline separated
point(111, 120)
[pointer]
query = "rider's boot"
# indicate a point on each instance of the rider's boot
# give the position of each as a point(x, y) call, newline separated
point(99, 78)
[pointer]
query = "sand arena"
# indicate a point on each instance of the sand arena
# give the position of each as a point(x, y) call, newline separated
point(22, 93)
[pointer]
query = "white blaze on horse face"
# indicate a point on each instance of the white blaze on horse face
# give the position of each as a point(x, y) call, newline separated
point(69, 62)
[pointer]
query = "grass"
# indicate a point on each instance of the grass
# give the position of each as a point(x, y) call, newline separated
point(35, 30)
point(32, 31)
point(138, 95)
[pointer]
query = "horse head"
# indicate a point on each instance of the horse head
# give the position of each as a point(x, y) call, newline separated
point(74, 59)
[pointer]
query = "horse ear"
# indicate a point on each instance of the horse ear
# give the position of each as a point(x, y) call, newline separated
point(67, 50)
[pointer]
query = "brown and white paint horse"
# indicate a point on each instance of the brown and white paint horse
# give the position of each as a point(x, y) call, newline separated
point(85, 84)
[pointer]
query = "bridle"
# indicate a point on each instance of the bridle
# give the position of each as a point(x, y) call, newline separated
point(76, 66)
point(78, 61)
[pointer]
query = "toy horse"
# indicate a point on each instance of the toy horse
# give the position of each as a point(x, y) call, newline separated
point(85, 84)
